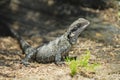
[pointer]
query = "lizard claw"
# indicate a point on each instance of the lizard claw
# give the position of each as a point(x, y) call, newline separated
point(60, 63)
point(26, 63)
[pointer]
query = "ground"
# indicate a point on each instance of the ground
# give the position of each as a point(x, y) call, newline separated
point(108, 55)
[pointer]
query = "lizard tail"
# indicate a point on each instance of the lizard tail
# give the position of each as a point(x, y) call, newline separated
point(23, 44)
point(15, 34)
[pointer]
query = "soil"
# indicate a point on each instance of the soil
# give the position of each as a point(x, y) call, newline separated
point(107, 55)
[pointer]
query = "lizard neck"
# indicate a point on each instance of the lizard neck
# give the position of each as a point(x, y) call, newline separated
point(67, 38)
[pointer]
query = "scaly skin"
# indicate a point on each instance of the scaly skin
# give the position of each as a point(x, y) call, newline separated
point(56, 50)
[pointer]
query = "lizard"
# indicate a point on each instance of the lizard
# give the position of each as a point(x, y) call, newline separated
point(56, 50)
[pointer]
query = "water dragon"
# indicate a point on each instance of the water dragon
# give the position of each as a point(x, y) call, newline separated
point(56, 50)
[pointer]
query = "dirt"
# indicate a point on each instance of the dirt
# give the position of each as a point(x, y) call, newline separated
point(107, 55)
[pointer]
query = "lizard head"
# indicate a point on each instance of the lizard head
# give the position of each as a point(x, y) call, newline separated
point(76, 28)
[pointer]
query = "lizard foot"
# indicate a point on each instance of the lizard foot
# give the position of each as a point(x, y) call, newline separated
point(26, 63)
point(60, 63)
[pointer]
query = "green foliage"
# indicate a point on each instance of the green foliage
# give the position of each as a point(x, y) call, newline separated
point(119, 13)
point(83, 63)
point(73, 67)
point(67, 59)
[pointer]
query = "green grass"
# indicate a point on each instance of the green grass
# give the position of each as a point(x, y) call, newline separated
point(83, 63)
point(73, 67)
point(119, 13)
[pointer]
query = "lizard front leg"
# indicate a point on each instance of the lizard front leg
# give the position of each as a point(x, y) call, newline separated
point(58, 59)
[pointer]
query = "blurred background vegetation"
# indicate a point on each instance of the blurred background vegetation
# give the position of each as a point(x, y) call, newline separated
point(35, 13)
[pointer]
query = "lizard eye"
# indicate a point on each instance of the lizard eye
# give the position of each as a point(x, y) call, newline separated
point(74, 29)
